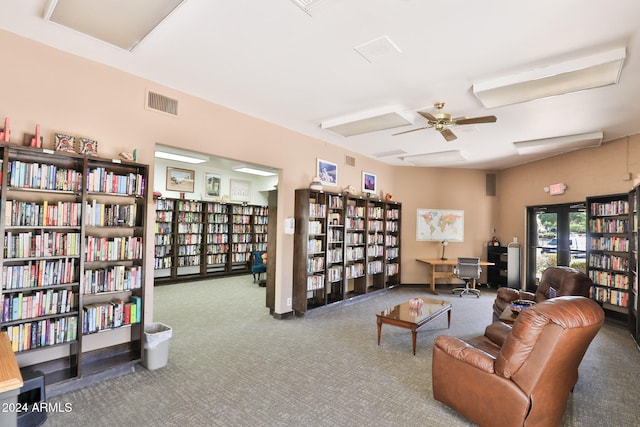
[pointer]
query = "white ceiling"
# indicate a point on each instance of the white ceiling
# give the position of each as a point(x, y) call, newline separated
point(273, 61)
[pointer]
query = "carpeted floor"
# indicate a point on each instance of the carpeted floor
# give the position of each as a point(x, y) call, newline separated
point(232, 364)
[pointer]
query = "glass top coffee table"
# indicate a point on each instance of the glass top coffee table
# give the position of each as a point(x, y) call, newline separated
point(404, 316)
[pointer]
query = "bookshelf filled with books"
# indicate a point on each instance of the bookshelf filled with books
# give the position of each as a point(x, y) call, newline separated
point(345, 246)
point(207, 238)
point(608, 251)
point(73, 261)
point(634, 321)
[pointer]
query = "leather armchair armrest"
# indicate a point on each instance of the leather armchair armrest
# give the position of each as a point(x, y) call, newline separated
point(507, 294)
point(527, 295)
point(462, 351)
point(497, 333)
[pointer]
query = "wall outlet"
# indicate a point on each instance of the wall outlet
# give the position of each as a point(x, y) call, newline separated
point(289, 302)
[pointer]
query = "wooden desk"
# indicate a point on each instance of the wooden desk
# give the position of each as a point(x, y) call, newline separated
point(448, 274)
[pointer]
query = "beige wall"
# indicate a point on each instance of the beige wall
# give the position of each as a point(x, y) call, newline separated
point(67, 94)
point(589, 172)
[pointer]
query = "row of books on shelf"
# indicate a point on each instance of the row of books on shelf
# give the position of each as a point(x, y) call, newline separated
point(610, 262)
point(43, 177)
point(375, 267)
point(218, 248)
point(109, 315)
point(112, 279)
point(335, 235)
point(163, 239)
point(161, 251)
point(392, 226)
point(376, 238)
point(188, 260)
point(354, 223)
point(354, 253)
point(615, 243)
point(106, 181)
point(315, 282)
point(317, 210)
point(392, 269)
point(334, 273)
point(375, 212)
point(242, 228)
point(354, 271)
point(354, 239)
point(41, 244)
point(164, 205)
point(393, 214)
point(113, 248)
point(392, 253)
point(315, 227)
point(241, 238)
point(186, 250)
point(218, 228)
point(20, 213)
point(21, 306)
point(314, 246)
point(39, 273)
point(162, 263)
point(391, 240)
point(608, 225)
point(187, 205)
point(375, 226)
point(615, 207)
point(189, 239)
point(110, 215)
point(163, 228)
point(611, 296)
point(43, 333)
point(216, 259)
point(241, 219)
point(375, 250)
point(190, 227)
point(218, 218)
point(315, 264)
point(355, 211)
point(607, 278)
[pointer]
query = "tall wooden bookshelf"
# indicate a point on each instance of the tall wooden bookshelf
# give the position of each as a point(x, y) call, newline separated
point(73, 263)
point(608, 251)
point(207, 238)
point(634, 321)
point(344, 247)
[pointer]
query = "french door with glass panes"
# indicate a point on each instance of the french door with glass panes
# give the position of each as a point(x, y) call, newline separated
point(557, 235)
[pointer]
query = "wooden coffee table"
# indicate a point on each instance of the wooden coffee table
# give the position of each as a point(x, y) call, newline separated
point(405, 317)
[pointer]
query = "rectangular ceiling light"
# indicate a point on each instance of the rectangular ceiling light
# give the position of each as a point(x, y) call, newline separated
point(441, 158)
point(253, 171)
point(122, 23)
point(560, 144)
point(366, 122)
point(584, 73)
point(306, 5)
point(170, 154)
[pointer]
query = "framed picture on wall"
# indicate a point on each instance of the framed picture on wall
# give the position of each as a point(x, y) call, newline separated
point(369, 183)
point(211, 185)
point(239, 190)
point(181, 180)
point(327, 172)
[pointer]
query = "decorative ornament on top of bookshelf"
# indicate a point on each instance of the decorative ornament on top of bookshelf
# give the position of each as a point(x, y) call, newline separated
point(5, 133)
point(349, 189)
point(34, 140)
point(64, 143)
point(88, 146)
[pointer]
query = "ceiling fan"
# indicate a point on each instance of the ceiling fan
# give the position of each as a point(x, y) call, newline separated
point(441, 122)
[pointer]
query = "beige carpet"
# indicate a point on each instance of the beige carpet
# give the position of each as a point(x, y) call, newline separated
point(231, 364)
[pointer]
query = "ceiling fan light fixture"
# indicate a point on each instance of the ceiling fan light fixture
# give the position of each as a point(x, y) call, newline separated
point(365, 122)
point(560, 144)
point(441, 158)
point(579, 74)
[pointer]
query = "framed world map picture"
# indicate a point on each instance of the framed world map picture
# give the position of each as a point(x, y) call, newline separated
point(439, 225)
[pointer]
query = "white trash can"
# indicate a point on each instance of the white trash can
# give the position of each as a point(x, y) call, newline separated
point(156, 345)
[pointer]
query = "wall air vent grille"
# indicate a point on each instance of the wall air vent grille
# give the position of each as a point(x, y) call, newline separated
point(350, 161)
point(162, 103)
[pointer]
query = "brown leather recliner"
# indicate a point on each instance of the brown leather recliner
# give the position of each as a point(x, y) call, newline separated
point(565, 280)
point(518, 375)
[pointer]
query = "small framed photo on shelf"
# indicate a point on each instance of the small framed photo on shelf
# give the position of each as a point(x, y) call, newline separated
point(327, 172)
point(239, 190)
point(87, 146)
point(211, 185)
point(64, 143)
point(369, 183)
point(181, 180)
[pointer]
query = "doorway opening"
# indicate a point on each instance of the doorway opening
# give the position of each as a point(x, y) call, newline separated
point(556, 235)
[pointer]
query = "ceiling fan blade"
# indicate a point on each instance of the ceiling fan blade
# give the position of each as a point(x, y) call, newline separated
point(427, 116)
point(474, 120)
point(448, 134)
point(412, 130)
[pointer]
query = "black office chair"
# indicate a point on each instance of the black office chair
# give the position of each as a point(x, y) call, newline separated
point(468, 269)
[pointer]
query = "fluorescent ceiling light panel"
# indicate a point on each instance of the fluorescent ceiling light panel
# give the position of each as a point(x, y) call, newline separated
point(253, 171)
point(185, 158)
point(584, 73)
point(122, 23)
point(560, 144)
point(436, 159)
point(366, 122)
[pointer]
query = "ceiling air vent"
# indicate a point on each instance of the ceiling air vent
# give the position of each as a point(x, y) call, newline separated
point(350, 161)
point(162, 103)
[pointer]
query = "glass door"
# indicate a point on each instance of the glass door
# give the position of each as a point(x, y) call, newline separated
point(556, 236)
